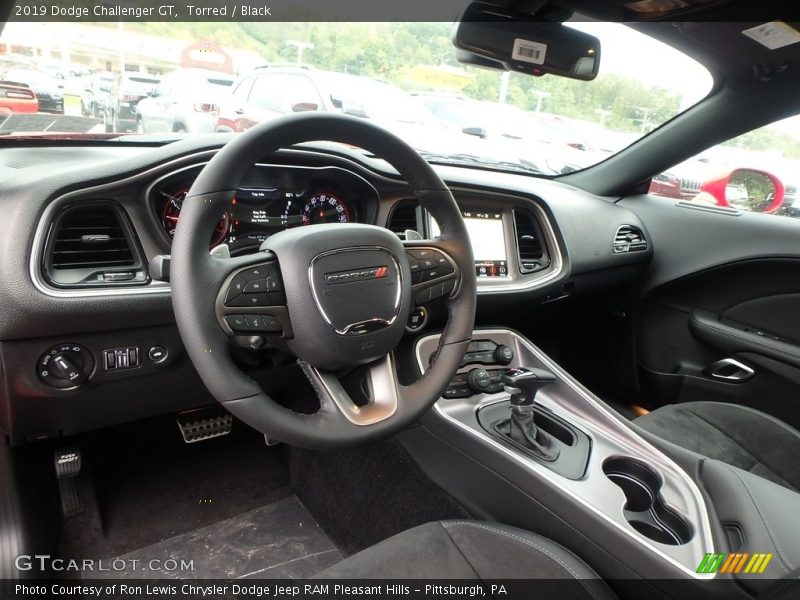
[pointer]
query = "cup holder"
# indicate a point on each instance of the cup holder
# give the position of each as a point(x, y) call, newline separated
point(644, 508)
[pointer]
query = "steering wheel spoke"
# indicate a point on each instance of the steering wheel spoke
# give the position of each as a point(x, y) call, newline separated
point(434, 273)
point(382, 392)
point(251, 298)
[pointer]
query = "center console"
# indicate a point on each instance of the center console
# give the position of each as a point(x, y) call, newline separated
point(585, 454)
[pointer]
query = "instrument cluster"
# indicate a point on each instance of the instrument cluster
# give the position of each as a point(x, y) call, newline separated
point(271, 198)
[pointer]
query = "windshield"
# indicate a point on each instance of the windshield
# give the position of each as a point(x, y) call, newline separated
point(404, 76)
point(375, 99)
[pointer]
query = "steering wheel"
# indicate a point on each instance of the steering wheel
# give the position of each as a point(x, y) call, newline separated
point(336, 296)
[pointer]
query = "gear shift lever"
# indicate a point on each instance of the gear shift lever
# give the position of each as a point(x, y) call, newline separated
point(523, 385)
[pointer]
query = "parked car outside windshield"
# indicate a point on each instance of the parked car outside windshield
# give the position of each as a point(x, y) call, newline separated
point(185, 101)
point(228, 77)
point(120, 109)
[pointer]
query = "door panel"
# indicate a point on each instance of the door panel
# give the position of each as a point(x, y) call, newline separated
point(719, 315)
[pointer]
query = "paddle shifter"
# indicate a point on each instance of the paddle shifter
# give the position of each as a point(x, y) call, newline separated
point(523, 384)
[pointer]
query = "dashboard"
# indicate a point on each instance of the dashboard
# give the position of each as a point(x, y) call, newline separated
point(93, 220)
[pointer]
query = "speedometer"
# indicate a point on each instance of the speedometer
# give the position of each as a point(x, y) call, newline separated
point(172, 211)
point(325, 208)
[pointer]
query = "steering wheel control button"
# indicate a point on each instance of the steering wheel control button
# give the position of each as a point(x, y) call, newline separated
point(251, 300)
point(157, 354)
point(260, 272)
point(423, 296)
point(431, 274)
point(254, 324)
point(236, 287)
point(66, 366)
point(257, 286)
point(448, 287)
point(428, 265)
point(270, 324)
point(236, 322)
point(417, 319)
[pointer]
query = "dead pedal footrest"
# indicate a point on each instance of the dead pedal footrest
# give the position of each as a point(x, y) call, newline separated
point(204, 424)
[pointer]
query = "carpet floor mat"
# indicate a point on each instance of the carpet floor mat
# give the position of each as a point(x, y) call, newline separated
point(277, 541)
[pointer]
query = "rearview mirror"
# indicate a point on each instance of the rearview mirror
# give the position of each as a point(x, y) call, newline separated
point(746, 189)
point(488, 35)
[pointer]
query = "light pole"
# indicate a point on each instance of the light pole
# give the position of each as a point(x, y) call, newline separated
point(503, 87)
point(300, 46)
point(540, 95)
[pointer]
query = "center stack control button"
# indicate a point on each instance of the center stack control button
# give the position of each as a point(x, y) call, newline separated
point(504, 355)
point(479, 380)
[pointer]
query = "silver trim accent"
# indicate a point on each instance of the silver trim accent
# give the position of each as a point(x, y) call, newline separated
point(397, 300)
point(516, 283)
point(202, 158)
point(198, 159)
point(382, 378)
point(610, 437)
point(730, 362)
point(39, 237)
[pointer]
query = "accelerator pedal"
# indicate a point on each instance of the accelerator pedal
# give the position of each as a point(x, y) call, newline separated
point(204, 424)
point(67, 462)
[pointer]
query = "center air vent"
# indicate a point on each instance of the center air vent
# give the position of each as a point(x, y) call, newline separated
point(629, 239)
point(531, 247)
point(93, 244)
point(404, 216)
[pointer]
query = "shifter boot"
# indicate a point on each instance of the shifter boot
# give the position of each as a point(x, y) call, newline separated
point(522, 429)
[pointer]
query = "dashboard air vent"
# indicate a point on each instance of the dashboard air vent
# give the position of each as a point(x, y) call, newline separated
point(93, 244)
point(404, 216)
point(629, 238)
point(531, 247)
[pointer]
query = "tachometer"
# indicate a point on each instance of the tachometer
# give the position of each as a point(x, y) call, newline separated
point(172, 211)
point(325, 208)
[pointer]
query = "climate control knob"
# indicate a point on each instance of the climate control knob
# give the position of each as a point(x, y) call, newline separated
point(504, 354)
point(479, 380)
point(65, 366)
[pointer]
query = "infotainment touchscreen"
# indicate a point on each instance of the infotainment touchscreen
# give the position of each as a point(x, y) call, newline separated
point(488, 240)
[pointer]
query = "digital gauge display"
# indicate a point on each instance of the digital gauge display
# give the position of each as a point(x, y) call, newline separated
point(257, 212)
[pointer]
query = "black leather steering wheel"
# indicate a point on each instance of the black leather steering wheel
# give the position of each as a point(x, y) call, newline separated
point(338, 295)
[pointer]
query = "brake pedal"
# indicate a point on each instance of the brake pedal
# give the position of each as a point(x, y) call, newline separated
point(67, 462)
point(204, 423)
